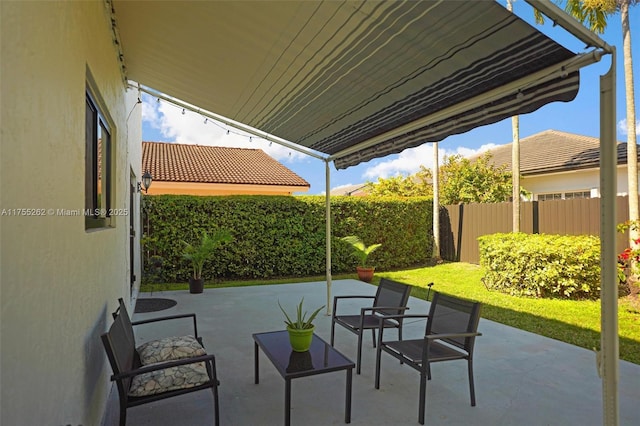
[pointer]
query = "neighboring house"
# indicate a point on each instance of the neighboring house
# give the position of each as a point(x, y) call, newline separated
point(358, 190)
point(213, 170)
point(561, 165)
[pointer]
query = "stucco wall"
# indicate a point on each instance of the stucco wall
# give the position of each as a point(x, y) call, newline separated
point(59, 283)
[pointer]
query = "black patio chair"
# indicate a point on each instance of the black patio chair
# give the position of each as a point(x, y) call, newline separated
point(450, 334)
point(141, 384)
point(122, 308)
point(390, 299)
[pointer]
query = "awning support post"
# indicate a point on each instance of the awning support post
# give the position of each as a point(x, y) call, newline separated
point(327, 172)
point(608, 358)
point(436, 204)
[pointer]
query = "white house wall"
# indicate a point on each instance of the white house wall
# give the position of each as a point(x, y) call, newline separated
point(577, 180)
point(59, 283)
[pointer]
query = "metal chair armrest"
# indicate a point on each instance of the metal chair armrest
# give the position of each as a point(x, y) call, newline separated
point(163, 366)
point(386, 308)
point(383, 318)
point(353, 297)
point(386, 317)
point(450, 335)
point(336, 298)
point(170, 317)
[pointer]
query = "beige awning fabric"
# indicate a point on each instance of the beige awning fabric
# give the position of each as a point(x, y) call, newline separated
point(339, 77)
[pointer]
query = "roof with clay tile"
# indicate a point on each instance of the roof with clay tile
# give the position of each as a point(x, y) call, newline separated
point(173, 162)
point(554, 151)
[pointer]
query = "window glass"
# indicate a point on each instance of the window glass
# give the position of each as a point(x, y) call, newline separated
point(98, 168)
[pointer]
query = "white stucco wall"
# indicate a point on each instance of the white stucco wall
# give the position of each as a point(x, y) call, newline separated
point(577, 180)
point(59, 283)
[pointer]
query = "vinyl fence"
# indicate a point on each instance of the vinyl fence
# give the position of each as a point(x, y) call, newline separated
point(461, 225)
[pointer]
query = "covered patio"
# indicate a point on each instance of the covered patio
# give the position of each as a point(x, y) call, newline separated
point(345, 81)
point(348, 82)
point(521, 378)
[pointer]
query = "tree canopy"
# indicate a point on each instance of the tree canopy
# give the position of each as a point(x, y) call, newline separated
point(461, 181)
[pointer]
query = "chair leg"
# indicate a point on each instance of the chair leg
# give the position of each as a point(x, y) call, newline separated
point(423, 397)
point(429, 371)
point(216, 405)
point(359, 351)
point(471, 386)
point(211, 371)
point(373, 334)
point(400, 338)
point(378, 356)
point(123, 415)
point(333, 329)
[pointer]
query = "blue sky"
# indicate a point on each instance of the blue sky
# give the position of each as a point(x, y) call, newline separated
point(164, 122)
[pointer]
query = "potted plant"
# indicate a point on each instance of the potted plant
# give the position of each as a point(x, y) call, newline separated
point(197, 254)
point(301, 330)
point(362, 252)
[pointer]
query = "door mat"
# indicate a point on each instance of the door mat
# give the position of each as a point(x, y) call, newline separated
point(153, 304)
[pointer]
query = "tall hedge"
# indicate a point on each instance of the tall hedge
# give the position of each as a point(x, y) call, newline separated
point(280, 236)
point(542, 265)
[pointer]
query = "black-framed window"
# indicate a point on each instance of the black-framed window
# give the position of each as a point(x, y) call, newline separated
point(98, 167)
point(578, 194)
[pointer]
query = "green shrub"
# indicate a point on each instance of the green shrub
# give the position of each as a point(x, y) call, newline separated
point(280, 236)
point(541, 265)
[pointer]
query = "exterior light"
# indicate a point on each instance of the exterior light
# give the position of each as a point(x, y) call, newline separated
point(146, 181)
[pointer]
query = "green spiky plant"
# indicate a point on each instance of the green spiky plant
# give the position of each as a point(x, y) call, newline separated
point(360, 250)
point(197, 254)
point(301, 322)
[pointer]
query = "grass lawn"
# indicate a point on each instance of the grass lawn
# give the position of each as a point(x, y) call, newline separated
point(571, 321)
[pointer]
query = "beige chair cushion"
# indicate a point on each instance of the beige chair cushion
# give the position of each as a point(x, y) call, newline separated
point(180, 377)
point(170, 349)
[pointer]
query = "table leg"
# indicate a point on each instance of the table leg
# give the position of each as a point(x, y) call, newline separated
point(256, 372)
point(287, 402)
point(347, 407)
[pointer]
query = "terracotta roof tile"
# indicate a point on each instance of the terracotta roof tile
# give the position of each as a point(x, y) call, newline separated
point(173, 162)
point(553, 150)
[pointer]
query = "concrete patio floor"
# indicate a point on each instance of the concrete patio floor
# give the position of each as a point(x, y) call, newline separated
point(521, 378)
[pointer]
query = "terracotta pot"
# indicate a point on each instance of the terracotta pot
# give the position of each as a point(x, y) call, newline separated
point(365, 274)
point(196, 286)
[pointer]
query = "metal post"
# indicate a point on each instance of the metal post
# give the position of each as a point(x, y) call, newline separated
point(327, 173)
point(436, 204)
point(609, 350)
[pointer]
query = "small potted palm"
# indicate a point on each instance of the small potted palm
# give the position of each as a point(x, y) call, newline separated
point(301, 330)
point(362, 252)
point(200, 252)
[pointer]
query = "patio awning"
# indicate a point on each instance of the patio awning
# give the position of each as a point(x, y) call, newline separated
point(352, 80)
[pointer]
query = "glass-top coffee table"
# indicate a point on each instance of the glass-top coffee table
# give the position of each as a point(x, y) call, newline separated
point(320, 358)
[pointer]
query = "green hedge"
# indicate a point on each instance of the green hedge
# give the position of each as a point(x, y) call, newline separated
point(542, 265)
point(280, 236)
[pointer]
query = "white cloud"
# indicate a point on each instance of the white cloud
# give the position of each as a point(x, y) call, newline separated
point(409, 160)
point(469, 152)
point(622, 127)
point(149, 112)
point(342, 186)
point(190, 128)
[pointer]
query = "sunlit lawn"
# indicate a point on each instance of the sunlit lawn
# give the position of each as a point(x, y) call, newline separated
point(571, 321)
